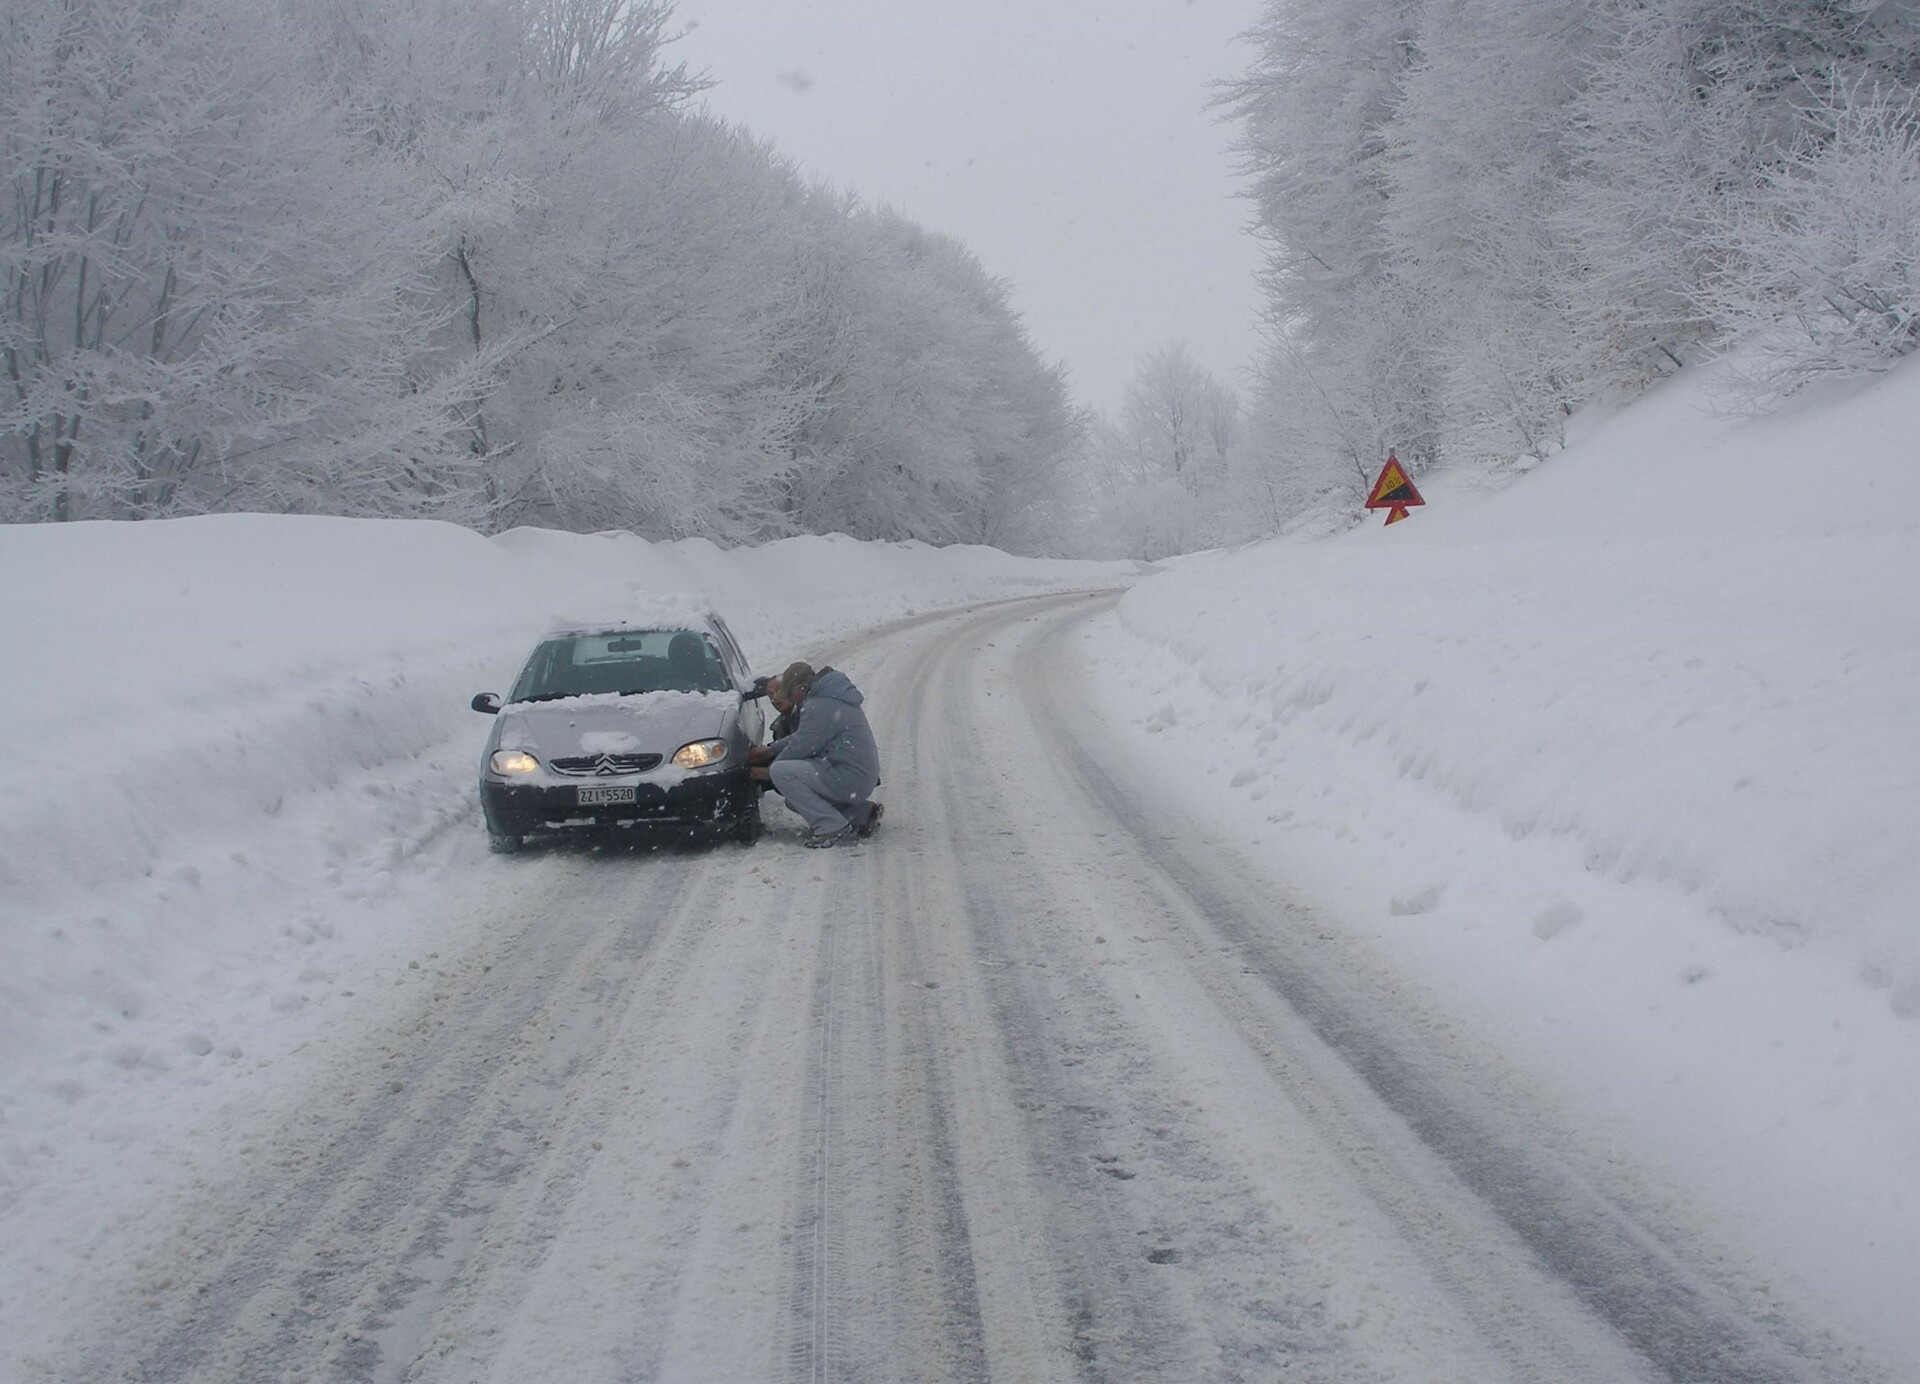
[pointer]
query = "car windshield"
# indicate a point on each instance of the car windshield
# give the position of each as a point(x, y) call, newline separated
point(622, 662)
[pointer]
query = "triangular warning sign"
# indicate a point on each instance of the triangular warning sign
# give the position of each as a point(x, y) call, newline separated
point(1393, 490)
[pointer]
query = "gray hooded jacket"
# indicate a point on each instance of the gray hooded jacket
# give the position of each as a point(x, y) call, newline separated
point(833, 730)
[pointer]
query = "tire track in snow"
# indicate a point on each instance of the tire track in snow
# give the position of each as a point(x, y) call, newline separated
point(816, 1275)
point(1165, 1252)
point(350, 1222)
point(650, 1235)
point(1651, 1280)
point(882, 1271)
point(1111, 1322)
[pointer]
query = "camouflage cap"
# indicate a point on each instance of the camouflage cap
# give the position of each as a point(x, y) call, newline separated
point(797, 679)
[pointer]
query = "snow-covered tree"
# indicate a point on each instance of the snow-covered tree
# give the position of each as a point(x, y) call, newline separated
point(1477, 166)
point(473, 258)
point(1317, 110)
point(1481, 213)
point(205, 306)
point(1177, 420)
point(938, 421)
point(1829, 277)
point(1161, 472)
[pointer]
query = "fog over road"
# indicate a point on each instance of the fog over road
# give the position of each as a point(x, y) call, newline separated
point(1038, 1084)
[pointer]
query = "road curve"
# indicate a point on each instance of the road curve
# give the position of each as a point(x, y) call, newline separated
point(1038, 1084)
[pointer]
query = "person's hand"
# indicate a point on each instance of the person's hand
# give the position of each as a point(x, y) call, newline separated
point(759, 754)
point(760, 773)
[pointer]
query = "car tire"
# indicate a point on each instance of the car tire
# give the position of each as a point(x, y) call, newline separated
point(746, 824)
point(503, 843)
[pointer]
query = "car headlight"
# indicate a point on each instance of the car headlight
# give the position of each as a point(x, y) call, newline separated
point(508, 763)
point(700, 754)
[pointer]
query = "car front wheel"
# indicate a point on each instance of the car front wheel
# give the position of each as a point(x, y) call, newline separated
point(746, 824)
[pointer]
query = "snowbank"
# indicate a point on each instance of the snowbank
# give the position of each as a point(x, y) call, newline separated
point(222, 739)
point(175, 683)
point(1625, 755)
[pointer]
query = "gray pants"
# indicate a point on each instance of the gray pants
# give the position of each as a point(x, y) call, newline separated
point(817, 793)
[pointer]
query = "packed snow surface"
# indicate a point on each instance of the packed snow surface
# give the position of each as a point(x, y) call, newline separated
point(234, 745)
point(1620, 757)
point(1625, 754)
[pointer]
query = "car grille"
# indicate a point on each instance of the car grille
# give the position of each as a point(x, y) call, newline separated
point(603, 765)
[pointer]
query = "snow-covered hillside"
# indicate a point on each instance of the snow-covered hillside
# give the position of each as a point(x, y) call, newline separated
point(1625, 755)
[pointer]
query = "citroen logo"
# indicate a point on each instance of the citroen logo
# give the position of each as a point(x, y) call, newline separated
point(604, 765)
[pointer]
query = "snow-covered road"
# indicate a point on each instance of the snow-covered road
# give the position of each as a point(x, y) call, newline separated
point(1038, 1084)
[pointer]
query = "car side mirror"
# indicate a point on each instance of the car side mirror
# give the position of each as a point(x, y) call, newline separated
point(488, 702)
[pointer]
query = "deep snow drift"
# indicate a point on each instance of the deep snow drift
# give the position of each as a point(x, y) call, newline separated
point(1625, 755)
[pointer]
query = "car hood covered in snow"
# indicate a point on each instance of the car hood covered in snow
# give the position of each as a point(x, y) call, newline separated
point(643, 723)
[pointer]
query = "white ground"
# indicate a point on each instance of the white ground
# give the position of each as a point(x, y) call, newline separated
point(1479, 949)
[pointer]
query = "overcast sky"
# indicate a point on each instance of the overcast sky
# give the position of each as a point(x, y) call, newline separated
point(1067, 142)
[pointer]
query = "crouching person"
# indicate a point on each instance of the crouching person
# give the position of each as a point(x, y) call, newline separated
point(828, 765)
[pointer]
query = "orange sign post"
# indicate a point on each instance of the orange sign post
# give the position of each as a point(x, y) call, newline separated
point(1393, 491)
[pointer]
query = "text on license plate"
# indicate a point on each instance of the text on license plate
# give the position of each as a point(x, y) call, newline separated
point(591, 796)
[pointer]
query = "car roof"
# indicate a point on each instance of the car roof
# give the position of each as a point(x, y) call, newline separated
point(628, 607)
point(699, 624)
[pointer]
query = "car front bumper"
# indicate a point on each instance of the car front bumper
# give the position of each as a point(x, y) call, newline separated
point(516, 809)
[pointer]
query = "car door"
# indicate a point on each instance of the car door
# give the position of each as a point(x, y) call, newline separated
point(752, 713)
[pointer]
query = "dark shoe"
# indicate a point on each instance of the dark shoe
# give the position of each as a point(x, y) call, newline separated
point(829, 839)
point(866, 828)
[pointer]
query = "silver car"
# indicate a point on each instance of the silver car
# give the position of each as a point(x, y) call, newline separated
point(623, 727)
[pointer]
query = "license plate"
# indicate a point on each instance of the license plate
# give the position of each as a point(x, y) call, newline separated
point(590, 797)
